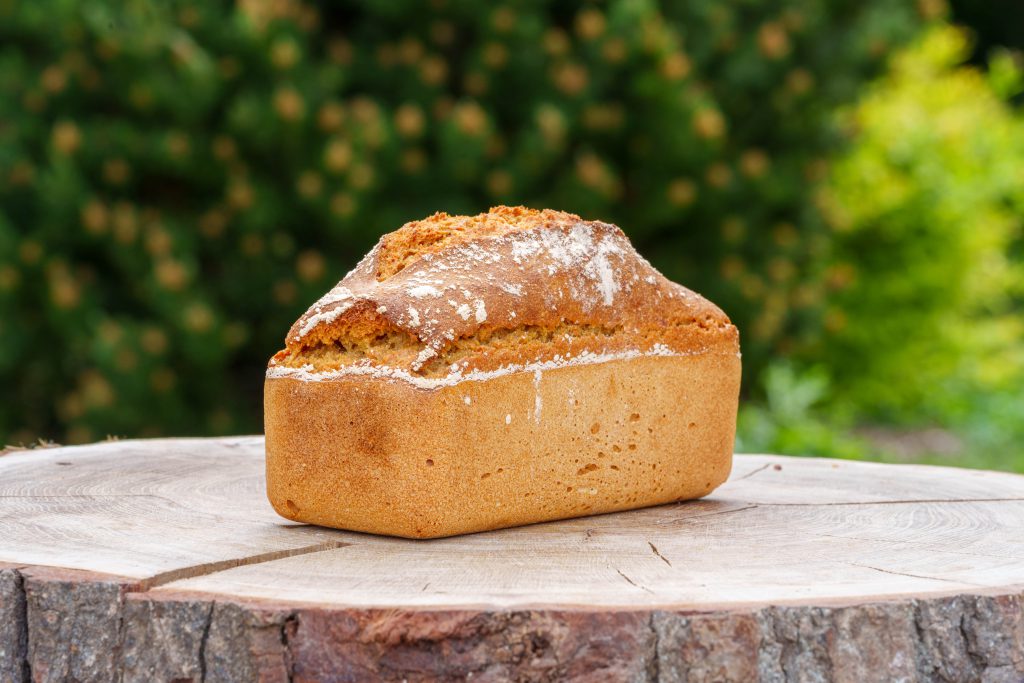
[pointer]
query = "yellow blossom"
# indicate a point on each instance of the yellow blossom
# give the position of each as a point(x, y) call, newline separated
point(22, 173)
point(681, 192)
point(590, 23)
point(30, 251)
point(556, 43)
point(733, 229)
point(171, 274)
point(754, 163)
point(614, 50)
point(330, 117)
point(158, 241)
point(162, 380)
point(240, 194)
point(361, 176)
point(343, 204)
point(116, 171)
point(284, 53)
point(212, 223)
point(310, 266)
point(309, 184)
point(337, 155)
point(495, 55)
point(719, 175)
point(285, 291)
point(224, 148)
point(499, 182)
point(252, 244)
point(95, 389)
point(503, 19)
point(709, 123)
point(178, 144)
point(470, 118)
point(772, 40)
point(9, 278)
point(409, 120)
point(433, 70)
point(288, 104)
point(571, 78)
point(198, 317)
point(54, 79)
point(676, 66)
point(475, 83)
point(153, 341)
point(95, 217)
point(339, 51)
point(66, 137)
point(799, 81)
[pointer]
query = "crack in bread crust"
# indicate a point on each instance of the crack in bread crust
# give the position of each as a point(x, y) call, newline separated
point(508, 287)
point(489, 348)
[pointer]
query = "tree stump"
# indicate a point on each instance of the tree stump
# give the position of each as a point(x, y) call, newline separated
point(161, 560)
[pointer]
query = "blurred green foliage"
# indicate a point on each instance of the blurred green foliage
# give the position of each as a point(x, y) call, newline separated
point(790, 418)
point(179, 179)
point(925, 208)
point(925, 313)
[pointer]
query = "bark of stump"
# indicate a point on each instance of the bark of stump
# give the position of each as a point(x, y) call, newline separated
point(161, 560)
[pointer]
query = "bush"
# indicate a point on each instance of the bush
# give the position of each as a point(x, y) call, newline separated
point(179, 179)
point(790, 419)
point(925, 304)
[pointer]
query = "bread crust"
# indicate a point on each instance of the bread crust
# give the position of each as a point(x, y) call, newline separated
point(508, 287)
point(480, 372)
point(387, 457)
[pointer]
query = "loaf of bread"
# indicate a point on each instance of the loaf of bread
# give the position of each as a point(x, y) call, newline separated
point(479, 372)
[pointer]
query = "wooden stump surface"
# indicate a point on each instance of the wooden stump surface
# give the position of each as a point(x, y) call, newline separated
point(161, 560)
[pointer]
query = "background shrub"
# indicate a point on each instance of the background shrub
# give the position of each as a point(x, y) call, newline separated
point(926, 277)
point(179, 179)
point(923, 323)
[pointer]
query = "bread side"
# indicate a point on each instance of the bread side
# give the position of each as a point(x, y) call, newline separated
point(449, 296)
point(388, 457)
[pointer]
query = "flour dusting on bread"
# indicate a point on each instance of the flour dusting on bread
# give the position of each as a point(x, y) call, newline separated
point(457, 298)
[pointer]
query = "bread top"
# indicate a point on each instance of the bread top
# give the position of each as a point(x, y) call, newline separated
point(450, 298)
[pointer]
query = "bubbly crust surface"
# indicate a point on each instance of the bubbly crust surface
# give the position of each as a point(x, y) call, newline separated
point(452, 295)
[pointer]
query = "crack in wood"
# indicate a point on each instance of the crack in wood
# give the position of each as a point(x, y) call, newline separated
point(751, 473)
point(657, 553)
point(208, 568)
point(893, 502)
point(977, 661)
point(14, 666)
point(120, 630)
point(916, 544)
point(632, 582)
point(82, 495)
point(654, 665)
point(715, 513)
point(915, 576)
point(289, 625)
point(202, 643)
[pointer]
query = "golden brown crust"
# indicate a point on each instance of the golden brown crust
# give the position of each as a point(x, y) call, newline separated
point(511, 286)
point(416, 239)
point(478, 372)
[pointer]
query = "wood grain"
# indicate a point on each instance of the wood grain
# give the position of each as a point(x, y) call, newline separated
point(162, 560)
